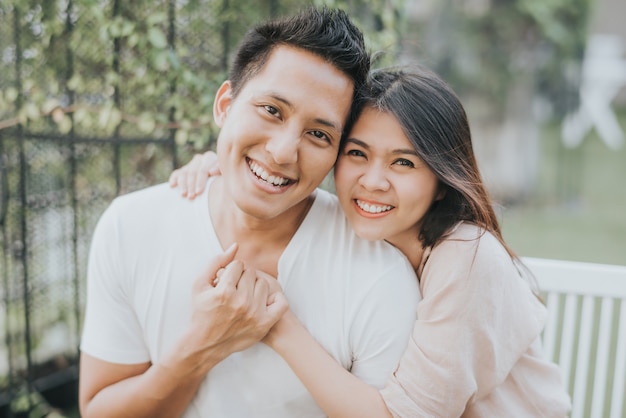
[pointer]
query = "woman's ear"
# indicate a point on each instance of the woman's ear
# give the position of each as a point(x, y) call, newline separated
point(441, 193)
point(223, 99)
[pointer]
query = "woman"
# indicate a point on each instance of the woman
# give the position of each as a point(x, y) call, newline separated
point(406, 173)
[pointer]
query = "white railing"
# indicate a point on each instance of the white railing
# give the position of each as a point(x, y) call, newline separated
point(586, 332)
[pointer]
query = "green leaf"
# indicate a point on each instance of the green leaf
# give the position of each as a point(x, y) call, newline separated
point(157, 38)
point(181, 137)
point(155, 18)
point(49, 105)
point(146, 122)
point(11, 94)
point(65, 124)
point(75, 83)
point(160, 60)
point(32, 111)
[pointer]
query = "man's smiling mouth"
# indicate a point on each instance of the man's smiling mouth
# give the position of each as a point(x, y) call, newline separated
point(260, 172)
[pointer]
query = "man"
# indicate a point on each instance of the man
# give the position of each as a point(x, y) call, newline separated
point(157, 342)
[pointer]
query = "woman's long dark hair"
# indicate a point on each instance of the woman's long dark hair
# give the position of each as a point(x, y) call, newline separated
point(435, 122)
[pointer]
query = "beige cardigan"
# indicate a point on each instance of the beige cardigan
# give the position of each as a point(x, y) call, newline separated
point(475, 349)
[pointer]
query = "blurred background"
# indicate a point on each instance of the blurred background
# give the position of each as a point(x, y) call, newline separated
point(99, 98)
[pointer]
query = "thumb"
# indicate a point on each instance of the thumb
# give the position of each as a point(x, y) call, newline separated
point(219, 261)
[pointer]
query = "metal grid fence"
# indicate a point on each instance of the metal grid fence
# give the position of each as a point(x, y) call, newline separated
point(54, 186)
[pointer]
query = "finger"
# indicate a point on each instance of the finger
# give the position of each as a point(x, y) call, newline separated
point(181, 180)
point(217, 277)
point(246, 285)
point(218, 262)
point(232, 275)
point(173, 180)
point(193, 167)
point(212, 164)
point(261, 292)
point(274, 286)
point(207, 162)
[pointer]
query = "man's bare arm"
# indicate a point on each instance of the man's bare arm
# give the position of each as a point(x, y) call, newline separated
point(227, 317)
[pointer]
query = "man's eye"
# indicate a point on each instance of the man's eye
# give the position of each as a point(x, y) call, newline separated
point(271, 110)
point(320, 135)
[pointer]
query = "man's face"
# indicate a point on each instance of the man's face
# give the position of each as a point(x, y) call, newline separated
point(279, 137)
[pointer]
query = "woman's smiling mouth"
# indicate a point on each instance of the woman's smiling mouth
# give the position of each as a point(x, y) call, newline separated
point(372, 208)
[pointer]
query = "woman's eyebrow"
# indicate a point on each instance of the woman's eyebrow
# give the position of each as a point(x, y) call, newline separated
point(410, 151)
point(358, 142)
point(399, 151)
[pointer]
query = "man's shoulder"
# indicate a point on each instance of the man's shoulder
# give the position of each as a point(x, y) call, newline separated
point(329, 219)
point(155, 199)
point(327, 235)
point(150, 206)
point(147, 194)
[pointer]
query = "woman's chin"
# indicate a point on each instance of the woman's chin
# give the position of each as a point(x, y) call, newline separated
point(369, 235)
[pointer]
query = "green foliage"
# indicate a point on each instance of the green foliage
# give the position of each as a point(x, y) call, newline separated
point(136, 69)
point(33, 405)
point(481, 51)
point(382, 23)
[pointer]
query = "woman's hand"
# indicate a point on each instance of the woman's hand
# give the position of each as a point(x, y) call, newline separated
point(193, 176)
point(288, 321)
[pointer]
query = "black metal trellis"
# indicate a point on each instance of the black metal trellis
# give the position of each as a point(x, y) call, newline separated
point(53, 188)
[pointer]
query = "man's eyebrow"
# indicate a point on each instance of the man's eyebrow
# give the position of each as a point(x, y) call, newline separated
point(333, 125)
point(280, 98)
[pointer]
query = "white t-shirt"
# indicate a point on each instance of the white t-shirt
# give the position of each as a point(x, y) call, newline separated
point(357, 298)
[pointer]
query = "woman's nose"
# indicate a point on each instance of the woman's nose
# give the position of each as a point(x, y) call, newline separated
point(375, 178)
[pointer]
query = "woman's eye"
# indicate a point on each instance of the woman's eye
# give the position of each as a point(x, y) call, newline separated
point(404, 162)
point(355, 153)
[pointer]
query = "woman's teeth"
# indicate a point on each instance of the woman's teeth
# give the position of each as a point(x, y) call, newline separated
point(373, 208)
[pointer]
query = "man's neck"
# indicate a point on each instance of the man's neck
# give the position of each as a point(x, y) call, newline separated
point(261, 241)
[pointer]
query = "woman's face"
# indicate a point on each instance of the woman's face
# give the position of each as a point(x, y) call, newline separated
point(383, 186)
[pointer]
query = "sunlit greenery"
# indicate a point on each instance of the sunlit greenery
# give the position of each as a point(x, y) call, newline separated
point(135, 69)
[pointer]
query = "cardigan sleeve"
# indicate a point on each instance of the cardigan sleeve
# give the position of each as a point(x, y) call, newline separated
point(477, 318)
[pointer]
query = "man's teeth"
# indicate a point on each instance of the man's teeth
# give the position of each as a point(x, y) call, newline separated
point(373, 208)
point(260, 172)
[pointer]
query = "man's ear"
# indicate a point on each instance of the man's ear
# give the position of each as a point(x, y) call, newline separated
point(223, 99)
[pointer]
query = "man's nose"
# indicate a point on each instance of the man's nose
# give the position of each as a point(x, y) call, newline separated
point(283, 147)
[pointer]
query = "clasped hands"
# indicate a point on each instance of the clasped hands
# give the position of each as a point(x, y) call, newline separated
point(237, 310)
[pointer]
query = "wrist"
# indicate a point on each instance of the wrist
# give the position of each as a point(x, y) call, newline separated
point(284, 334)
point(192, 357)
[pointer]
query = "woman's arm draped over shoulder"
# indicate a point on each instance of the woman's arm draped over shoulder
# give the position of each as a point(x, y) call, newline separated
point(476, 320)
point(192, 178)
point(325, 379)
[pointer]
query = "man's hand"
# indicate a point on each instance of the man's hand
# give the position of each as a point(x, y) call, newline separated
point(193, 176)
point(234, 312)
point(227, 316)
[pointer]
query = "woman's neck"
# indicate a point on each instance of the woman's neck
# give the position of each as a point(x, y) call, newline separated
point(411, 247)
